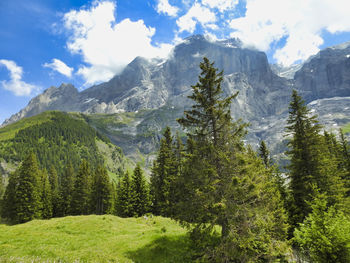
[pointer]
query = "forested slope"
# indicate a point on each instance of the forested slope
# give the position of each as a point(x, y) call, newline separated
point(56, 138)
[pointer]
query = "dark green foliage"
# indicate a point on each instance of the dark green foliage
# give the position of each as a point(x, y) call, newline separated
point(22, 198)
point(123, 205)
point(2, 186)
point(256, 218)
point(324, 236)
point(264, 154)
point(45, 196)
point(9, 203)
point(345, 161)
point(101, 192)
point(162, 173)
point(80, 204)
point(223, 183)
point(312, 163)
point(53, 178)
point(55, 142)
point(66, 190)
point(139, 193)
point(178, 158)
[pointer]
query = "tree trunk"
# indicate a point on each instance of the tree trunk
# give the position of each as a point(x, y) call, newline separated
point(224, 228)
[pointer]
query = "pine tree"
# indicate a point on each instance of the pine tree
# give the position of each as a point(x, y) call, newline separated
point(80, 204)
point(345, 161)
point(46, 196)
point(264, 154)
point(66, 190)
point(312, 162)
point(324, 235)
point(209, 124)
point(139, 193)
point(276, 176)
point(9, 203)
point(123, 205)
point(2, 186)
point(113, 210)
point(101, 192)
point(22, 198)
point(223, 183)
point(162, 172)
point(173, 197)
point(53, 178)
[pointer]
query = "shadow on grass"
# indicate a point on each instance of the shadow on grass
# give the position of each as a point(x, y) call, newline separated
point(6, 222)
point(163, 250)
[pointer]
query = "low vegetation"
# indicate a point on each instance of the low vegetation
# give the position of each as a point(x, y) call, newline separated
point(94, 238)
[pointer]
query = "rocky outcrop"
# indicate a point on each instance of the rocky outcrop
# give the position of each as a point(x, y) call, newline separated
point(326, 74)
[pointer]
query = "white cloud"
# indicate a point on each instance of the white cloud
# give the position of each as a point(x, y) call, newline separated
point(164, 7)
point(106, 46)
point(300, 22)
point(15, 84)
point(221, 5)
point(196, 14)
point(60, 67)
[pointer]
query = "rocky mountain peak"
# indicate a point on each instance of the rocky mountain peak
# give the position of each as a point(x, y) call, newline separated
point(162, 86)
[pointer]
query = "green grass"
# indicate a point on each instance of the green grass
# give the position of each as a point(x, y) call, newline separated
point(346, 128)
point(94, 239)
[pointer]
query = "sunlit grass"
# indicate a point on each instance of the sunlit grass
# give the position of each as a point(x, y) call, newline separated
point(94, 239)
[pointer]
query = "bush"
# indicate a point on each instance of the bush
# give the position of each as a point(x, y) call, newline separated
point(324, 236)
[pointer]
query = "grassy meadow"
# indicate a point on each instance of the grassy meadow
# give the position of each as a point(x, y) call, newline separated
point(94, 238)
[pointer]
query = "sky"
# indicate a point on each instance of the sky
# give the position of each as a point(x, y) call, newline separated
point(45, 43)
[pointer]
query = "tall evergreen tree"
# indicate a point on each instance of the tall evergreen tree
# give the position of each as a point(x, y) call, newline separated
point(53, 178)
point(178, 158)
point(22, 198)
point(9, 203)
point(46, 196)
point(345, 161)
point(217, 176)
point(101, 191)
point(123, 205)
point(162, 172)
point(81, 194)
point(209, 125)
point(311, 163)
point(139, 193)
point(66, 190)
point(264, 154)
point(2, 186)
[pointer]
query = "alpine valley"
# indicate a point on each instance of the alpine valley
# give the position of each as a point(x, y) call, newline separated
point(133, 108)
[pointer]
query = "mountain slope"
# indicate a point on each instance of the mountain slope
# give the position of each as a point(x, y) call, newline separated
point(152, 93)
point(150, 84)
point(56, 138)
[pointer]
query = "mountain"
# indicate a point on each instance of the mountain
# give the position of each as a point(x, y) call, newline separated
point(326, 74)
point(135, 105)
point(58, 138)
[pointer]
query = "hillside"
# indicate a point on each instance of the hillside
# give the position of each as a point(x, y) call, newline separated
point(94, 239)
point(56, 138)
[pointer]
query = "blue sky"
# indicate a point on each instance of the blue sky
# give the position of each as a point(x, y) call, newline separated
point(44, 43)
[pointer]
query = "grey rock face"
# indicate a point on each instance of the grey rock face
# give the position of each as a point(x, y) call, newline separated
point(326, 75)
point(65, 98)
point(285, 72)
point(163, 86)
